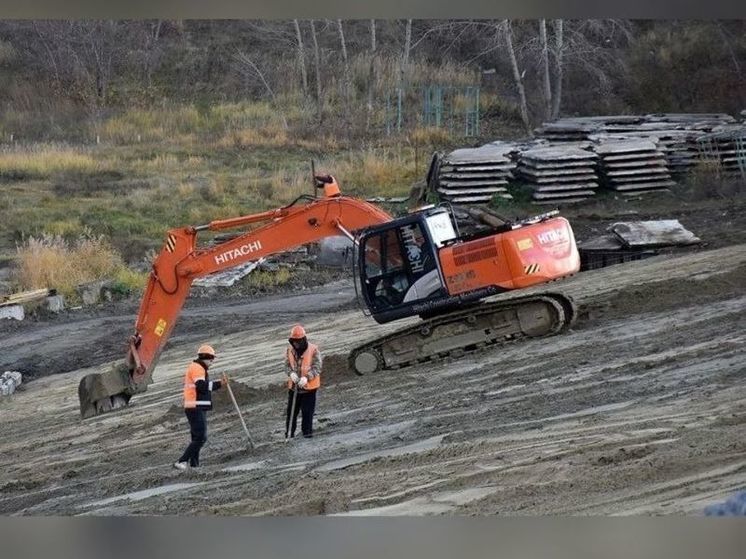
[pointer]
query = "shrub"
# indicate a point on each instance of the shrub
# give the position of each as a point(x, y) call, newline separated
point(51, 261)
point(265, 279)
point(709, 180)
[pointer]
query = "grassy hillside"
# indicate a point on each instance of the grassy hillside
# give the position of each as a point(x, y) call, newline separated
point(153, 170)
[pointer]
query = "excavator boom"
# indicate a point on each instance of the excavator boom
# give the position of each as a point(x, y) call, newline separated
point(180, 262)
point(413, 265)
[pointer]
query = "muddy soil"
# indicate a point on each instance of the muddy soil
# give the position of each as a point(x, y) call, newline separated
point(639, 409)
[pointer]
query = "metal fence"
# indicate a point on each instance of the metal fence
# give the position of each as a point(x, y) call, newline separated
point(454, 108)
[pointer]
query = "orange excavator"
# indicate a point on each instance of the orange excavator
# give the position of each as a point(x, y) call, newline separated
point(412, 265)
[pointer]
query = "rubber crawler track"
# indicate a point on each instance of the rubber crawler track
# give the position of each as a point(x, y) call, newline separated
point(562, 305)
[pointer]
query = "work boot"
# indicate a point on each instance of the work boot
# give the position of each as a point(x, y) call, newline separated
point(181, 465)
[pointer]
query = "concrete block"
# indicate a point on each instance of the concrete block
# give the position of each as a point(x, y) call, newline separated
point(55, 303)
point(9, 382)
point(90, 293)
point(12, 311)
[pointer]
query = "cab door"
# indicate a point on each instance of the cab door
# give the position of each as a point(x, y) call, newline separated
point(399, 268)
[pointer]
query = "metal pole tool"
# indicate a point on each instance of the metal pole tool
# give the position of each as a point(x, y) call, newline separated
point(292, 413)
point(238, 410)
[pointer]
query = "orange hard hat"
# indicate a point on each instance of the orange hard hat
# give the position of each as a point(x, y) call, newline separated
point(206, 350)
point(297, 332)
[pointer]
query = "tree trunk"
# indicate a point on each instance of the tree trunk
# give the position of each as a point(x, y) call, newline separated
point(545, 70)
point(301, 58)
point(517, 76)
point(558, 48)
point(347, 81)
point(405, 53)
point(152, 41)
point(317, 68)
point(372, 71)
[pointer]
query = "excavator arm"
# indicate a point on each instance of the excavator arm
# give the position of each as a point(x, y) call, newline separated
point(180, 262)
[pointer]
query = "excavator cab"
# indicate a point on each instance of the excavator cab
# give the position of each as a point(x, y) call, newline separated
point(399, 266)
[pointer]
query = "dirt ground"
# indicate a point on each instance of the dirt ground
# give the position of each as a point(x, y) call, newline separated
point(639, 409)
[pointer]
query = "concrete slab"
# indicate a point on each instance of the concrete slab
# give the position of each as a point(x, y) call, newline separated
point(12, 311)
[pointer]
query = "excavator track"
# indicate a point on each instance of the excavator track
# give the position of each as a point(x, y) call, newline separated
point(461, 332)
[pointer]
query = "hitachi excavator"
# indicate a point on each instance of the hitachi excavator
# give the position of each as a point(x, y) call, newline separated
point(412, 265)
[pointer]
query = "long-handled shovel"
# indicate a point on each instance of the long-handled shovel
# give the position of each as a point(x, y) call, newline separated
point(235, 405)
point(292, 413)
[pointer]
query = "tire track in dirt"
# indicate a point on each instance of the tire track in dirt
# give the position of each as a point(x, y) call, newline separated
point(640, 407)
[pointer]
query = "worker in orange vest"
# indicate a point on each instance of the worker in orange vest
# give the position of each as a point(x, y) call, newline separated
point(197, 401)
point(303, 367)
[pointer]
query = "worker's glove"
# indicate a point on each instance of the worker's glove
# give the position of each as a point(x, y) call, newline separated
point(294, 378)
point(303, 382)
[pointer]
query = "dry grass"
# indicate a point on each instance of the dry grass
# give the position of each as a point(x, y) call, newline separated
point(284, 186)
point(51, 261)
point(380, 172)
point(388, 72)
point(429, 136)
point(231, 124)
point(142, 125)
point(168, 163)
point(269, 135)
point(709, 180)
point(42, 161)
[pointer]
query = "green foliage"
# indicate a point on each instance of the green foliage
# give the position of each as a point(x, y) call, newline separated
point(265, 279)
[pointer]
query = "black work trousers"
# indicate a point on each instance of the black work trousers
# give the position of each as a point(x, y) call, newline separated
point(306, 404)
point(198, 430)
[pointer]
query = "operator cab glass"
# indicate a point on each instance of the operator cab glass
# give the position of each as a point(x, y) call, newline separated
point(399, 264)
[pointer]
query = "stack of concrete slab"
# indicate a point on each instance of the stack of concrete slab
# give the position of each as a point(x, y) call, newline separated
point(475, 175)
point(674, 133)
point(678, 146)
point(580, 128)
point(726, 145)
point(633, 166)
point(228, 277)
point(559, 174)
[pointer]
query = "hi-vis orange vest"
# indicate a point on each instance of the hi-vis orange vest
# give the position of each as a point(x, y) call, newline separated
point(305, 366)
point(195, 372)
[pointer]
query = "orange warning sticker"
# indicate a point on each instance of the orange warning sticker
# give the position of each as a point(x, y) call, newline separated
point(160, 327)
point(525, 244)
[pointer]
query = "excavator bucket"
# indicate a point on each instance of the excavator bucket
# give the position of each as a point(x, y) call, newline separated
point(103, 392)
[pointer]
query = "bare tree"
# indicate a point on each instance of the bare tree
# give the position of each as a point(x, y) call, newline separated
point(249, 69)
point(558, 68)
point(517, 76)
point(345, 61)
point(42, 31)
point(405, 51)
point(547, 89)
point(729, 47)
point(151, 41)
point(372, 67)
point(317, 67)
point(301, 57)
